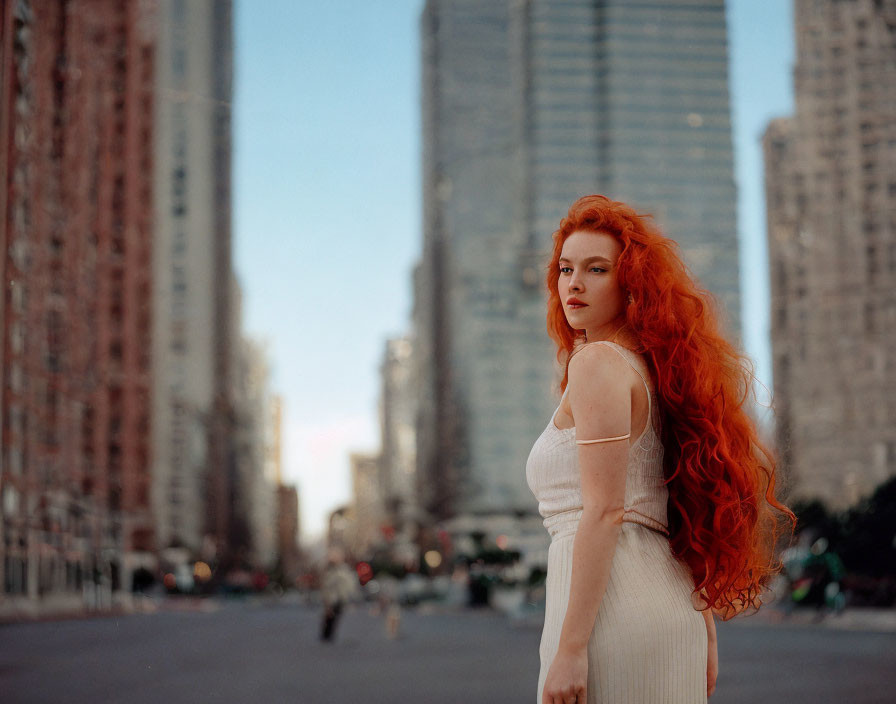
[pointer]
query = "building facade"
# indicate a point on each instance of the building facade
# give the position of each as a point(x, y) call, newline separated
point(256, 486)
point(528, 105)
point(366, 512)
point(398, 458)
point(194, 335)
point(831, 207)
point(117, 324)
point(76, 196)
point(288, 551)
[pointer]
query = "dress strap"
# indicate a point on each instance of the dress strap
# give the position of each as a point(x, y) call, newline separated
point(630, 358)
point(591, 442)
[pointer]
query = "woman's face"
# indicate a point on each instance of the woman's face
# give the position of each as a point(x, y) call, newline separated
point(589, 292)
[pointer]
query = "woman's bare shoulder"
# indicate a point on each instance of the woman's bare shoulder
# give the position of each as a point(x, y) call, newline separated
point(595, 352)
point(598, 361)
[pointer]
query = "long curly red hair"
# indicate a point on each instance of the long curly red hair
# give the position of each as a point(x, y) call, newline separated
point(724, 518)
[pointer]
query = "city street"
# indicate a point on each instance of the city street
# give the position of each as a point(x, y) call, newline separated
point(251, 652)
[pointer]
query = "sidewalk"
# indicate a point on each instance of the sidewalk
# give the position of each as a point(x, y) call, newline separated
point(68, 607)
point(851, 619)
point(54, 608)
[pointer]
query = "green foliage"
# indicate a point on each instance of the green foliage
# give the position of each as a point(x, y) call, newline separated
point(869, 533)
point(815, 517)
point(864, 536)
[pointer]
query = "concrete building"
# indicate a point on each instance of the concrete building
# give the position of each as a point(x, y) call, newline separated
point(289, 518)
point(255, 495)
point(75, 245)
point(527, 105)
point(288, 552)
point(398, 458)
point(831, 207)
point(366, 513)
point(272, 467)
point(193, 332)
point(274, 445)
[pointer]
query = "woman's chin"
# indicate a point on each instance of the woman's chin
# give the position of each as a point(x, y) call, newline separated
point(576, 322)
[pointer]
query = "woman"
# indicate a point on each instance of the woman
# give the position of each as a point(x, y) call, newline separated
point(650, 475)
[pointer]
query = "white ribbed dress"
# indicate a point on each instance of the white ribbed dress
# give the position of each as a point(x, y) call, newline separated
point(649, 644)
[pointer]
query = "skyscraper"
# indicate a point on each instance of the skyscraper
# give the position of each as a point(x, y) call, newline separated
point(397, 465)
point(527, 105)
point(831, 206)
point(194, 470)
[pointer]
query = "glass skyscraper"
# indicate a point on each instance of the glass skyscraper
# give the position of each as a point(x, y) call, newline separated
point(527, 105)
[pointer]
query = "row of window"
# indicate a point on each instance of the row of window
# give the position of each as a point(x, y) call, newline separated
point(637, 19)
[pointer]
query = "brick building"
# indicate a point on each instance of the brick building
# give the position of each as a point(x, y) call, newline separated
point(75, 206)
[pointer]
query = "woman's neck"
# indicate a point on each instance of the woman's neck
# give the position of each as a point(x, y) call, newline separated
point(613, 332)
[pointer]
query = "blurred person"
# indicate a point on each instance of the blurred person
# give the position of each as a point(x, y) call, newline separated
point(339, 586)
point(651, 478)
point(389, 606)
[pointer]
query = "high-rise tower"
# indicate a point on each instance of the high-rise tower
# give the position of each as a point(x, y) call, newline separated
point(195, 472)
point(831, 205)
point(528, 105)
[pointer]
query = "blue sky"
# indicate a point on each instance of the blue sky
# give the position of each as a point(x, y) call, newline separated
point(327, 206)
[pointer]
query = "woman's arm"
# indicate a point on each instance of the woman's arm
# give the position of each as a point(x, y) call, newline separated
point(712, 660)
point(600, 397)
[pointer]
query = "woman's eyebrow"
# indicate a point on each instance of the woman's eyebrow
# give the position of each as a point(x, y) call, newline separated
point(589, 259)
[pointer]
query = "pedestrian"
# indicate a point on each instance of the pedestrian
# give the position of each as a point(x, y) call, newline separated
point(650, 476)
point(388, 603)
point(338, 587)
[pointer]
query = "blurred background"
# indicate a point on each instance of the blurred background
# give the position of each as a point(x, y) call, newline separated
point(273, 327)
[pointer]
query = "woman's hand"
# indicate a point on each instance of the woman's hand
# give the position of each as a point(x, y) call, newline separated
point(712, 666)
point(712, 652)
point(567, 678)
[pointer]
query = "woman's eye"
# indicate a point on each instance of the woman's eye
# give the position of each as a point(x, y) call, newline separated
point(565, 269)
point(597, 268)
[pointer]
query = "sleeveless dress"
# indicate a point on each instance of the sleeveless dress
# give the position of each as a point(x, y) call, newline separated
point(649, 644)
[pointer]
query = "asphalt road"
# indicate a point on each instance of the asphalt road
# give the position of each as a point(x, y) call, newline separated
point(270, 653)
